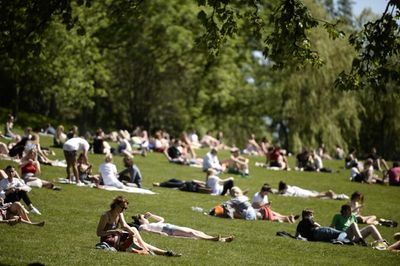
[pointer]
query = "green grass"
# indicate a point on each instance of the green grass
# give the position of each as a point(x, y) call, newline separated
point(71, 216)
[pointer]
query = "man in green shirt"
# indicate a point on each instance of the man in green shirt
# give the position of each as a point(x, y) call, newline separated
point(347, 222)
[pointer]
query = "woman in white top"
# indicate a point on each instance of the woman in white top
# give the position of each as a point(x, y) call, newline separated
point(218, 186)
point(141, 221)
point(263, 207)
point(109, 174)
point(293, 191)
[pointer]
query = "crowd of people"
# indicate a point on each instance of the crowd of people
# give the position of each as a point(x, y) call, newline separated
point(116, 233)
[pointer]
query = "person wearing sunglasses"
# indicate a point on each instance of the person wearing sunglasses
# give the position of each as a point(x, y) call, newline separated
point(113, 230)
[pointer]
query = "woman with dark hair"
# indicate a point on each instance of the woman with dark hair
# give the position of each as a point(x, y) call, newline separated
point(159, 227)
point(357, 203)
point(114, 230)
point(13, 213)
point(294, 191)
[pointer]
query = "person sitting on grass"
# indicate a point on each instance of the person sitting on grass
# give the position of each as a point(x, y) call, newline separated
point(313, 231)
point(13, 213)
point(393, 175)
point(131, 173)
point(357, 203)
point(218, 186)
point(263, 207)
point(108, 173)
point(174, 153)
point(13, 189)
point(210, 160)
point(347, 222)
point(113, 230)
point(237, 164)
point(160, 227)
point(294, 191)
point(85, 172)
point(30, 169)
point(367, 175)
point(241, 205)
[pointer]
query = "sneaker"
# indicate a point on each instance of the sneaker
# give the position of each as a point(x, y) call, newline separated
point(171, 253)
point(361, 242)
point(80, 184)
point(337, 242)
point(56, 188)
point(33, 210)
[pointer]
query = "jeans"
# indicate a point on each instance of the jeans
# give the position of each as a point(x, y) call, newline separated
point(325, 234)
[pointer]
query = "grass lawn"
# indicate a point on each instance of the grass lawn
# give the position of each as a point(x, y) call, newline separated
point(71, 216)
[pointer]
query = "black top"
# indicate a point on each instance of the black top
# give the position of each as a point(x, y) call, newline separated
point(174, 152)
point(306, 228)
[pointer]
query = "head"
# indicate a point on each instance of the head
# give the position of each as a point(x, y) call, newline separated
point(139, 220)
point(10, 171)
point(10, 118)
point(119, 203)
point(108, 158)
point(306, 213)
point(345, 210)
point(235, 151)
point(357, 196)
point(282, 187)
point(265, 189)
point(368, 163)
point(214, 151)
point(81, 158)
point(31, 154)
point(236, 192)
point(128, 161)
point(210, 172)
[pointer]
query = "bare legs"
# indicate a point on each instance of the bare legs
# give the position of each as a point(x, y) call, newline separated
point(19, 214)
point(354, 232)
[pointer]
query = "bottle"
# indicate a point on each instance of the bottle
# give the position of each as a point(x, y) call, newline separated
point(197, 209)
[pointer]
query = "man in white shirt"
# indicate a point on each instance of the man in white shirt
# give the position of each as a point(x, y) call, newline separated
point(109, 174)
point(14, 189)
point(210, 160)
point(71, 148)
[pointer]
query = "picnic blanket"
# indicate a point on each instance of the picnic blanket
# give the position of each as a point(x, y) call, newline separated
point(128, 189)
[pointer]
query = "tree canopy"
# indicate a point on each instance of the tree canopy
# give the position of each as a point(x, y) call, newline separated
point(300, 72)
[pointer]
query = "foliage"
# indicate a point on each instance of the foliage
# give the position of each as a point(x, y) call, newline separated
point(378, 46)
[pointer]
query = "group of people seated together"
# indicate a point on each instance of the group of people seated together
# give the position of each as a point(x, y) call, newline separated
point(218, 178)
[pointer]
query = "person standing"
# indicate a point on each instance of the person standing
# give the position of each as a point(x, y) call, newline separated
point(71, 148)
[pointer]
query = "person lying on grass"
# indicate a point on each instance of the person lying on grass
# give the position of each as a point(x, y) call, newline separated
point(114, 230)
point(143, 224)
point(294, 191)
point(312, 231)
point(13, 213)
point(346, 221)
point(263, 207)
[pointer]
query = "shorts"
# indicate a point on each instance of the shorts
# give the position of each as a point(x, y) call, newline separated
point(70, 157)
point(169, 229)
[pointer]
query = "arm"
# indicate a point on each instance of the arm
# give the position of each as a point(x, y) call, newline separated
point(102, 224)
point(166, 154)
point(159, 219)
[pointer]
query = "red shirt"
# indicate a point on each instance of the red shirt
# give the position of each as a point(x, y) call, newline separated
point(394, 176)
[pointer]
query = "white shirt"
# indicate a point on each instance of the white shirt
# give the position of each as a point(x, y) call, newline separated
point(152, 227)
point(5, 184)
point(108, 172)
point(211, 161)
point(76, 144)
point(260, 199)
point(213, 183)
point(299, 192)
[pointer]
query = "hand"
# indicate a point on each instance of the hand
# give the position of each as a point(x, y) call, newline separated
point(147, 215)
